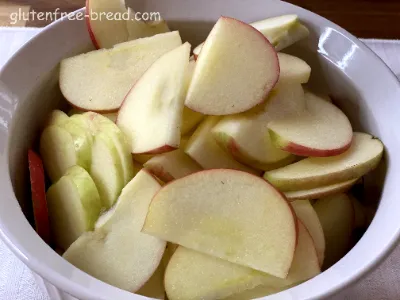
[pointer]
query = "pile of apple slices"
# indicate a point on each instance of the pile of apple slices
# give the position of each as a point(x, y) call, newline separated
point(192, 176)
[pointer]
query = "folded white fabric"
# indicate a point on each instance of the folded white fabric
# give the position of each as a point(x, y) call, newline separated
point(17, 281)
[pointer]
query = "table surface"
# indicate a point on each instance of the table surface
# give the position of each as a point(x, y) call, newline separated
point(363, 18)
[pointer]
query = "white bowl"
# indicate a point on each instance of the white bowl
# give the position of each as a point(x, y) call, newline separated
point(363, 86)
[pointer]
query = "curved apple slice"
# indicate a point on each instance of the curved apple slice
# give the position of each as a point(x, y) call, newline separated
point(158, 96)
point(57, 117)
point(229, 214)
point(363, 156)
point(74, 206)
point(38, 190)
point(307, 215)
point(117, 252)
point(321, 130)
point(293, 69)
point(99, 80)
point(139, 29)
point(236, 70)
point(319, 192)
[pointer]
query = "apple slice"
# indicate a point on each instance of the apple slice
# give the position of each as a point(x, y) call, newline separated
point(172, 165)
point(96, 123)
point(319, 192)
point(363, 156)
point(117, 252)
point(162, 87)
point(74, 206)
point(236, 70)
point(99, 80)
point(111, 116)
point(229, 214)
point(139, 29)
point(106, 169)
point(57, 150)
point(154, 287)
point(307, 215)
point(245, 136)
point(336, 214)
point(321, 130)
point(57, 117)
point(203, 148)
point(293, 69)
point(193, 275)
point(38, 190)
point(281, 31)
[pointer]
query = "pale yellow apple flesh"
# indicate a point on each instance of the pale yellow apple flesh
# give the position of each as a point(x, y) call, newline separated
point(293, 69)
point(74, 206)
point(158, 96)
point(235, 71)
point(99, 80)
point(307, 215)
point(57, 117)
point(193, 275)
point(117, 252)
point(203, 148)
point(111, 116)
point(363, 156)
point(322, 191)
point(245, 136)
point(336, 214)
point(138, 29)
point(228, 214)
point(172, 165)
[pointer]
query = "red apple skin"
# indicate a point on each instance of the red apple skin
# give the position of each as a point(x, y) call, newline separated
point(89, 27)
point(160, 173)
point(39, 201)
point(160, 150)
point(305, 151)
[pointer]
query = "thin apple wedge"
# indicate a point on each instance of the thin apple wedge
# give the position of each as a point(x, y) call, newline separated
point(158, 96)
point(363, 156)
point(99, 80)
point(320, 192)
point(321, 130)
point(245, 136)
point(307, 215)
point(172, 165)
point(229, 214)
point(138, 29)
point(38, 192)
point(235, 71)
point(203, 148)
point(193, 275)
point(336, 214)
point(281, 31)
point(74, 206)
point(138, 255)
point(293, 69)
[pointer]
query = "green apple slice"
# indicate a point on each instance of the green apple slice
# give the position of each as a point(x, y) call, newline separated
point(74, 206)
point(364, 155)
point(229, 214)
point(57, 117)
point(293, 69)
point(117, 252)
point(106, 169)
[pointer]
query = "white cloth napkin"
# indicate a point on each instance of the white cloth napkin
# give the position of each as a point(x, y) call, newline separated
point(18, 283)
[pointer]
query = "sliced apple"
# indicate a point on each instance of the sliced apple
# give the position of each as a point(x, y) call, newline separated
point(57, 150)
point(307, 215)
point(281, 31)
point(293, 69)
point(111, 116)
point(336, 214)
point(193, 275)
point(162, 87)
point(319, 192)
point(321, 130)
point(229, 214)
point(154, 287)
point(117, 252)
point(203, 148)
point(172, 165)
point(57, 117)
point(99, 80)
point(364, 155)
point(74, 206)
point(96, 123)
point(245, 136)
point(138, 29)
point(106, 169)
point(38, 192)
point(235, 71)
